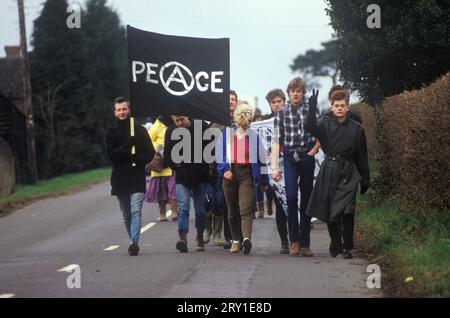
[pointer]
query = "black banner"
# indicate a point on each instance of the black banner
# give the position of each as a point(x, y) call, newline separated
point(175, 75)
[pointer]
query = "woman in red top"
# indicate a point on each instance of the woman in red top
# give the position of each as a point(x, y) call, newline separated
point(240, 175)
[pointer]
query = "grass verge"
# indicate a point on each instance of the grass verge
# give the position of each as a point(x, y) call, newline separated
point(413, 249)
point(69, 183)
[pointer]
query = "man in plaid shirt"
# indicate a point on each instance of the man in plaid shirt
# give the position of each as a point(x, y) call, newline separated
point(299, 149)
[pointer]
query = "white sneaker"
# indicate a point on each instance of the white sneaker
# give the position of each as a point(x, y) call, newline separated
point(316, 221)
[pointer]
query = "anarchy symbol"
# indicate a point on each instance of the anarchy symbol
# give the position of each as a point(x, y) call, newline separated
point(176, 76)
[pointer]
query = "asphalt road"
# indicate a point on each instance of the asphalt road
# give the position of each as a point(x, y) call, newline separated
point(39, 242)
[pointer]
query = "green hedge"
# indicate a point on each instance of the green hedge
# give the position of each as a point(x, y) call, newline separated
point(414, 146)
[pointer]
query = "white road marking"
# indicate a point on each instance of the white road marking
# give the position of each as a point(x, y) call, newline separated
point(148, 226)
point(111, 248)
point(7, 295)
point(69, 268)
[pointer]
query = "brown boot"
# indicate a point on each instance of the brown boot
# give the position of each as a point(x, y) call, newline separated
point(261, 209)
point(306, 252)
point(295, 249)
point(162, 211)
point(200, 243)
point(182, 243)
point(173, 207)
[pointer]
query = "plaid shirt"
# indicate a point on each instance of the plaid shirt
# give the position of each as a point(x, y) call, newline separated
point(289, 125)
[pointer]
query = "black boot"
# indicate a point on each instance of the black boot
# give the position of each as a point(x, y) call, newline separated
point(335, 248)
point(247, 246)
point(182, 243)
point(348, 254)
point(133, 249)
point(227, 245)
point(284, 246)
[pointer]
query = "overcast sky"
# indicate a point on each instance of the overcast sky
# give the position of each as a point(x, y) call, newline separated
point(265, 35)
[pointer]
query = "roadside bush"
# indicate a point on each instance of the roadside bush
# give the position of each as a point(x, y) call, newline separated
point(368, 120)
point(415, 145)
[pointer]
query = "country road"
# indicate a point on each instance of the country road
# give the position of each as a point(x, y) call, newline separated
point(38, 242)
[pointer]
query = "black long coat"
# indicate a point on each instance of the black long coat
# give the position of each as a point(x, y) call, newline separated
point(126, 179)
point(345, 165)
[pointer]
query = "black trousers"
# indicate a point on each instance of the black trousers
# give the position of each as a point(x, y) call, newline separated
point(281, 220)
point(343, 229)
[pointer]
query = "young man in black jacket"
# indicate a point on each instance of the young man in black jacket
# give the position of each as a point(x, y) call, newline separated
point(350, 114)
point(345, 166)
point(191, 174)
point(128, 170)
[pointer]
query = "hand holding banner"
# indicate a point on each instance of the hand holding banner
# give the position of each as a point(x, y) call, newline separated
point(133, 148)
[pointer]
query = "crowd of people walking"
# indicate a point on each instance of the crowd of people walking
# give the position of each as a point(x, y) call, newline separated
point(228, 193)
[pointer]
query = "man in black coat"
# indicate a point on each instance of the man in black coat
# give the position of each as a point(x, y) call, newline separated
point(191, 174)
point(351, 114)
point(128, 170)
point(345, 166)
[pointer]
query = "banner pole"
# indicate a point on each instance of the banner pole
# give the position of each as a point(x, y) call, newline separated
point(133, 148)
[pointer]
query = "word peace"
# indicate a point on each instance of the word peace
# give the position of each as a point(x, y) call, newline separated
point(179, 73)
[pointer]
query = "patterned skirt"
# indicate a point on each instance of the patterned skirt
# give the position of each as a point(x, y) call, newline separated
point(161, 189)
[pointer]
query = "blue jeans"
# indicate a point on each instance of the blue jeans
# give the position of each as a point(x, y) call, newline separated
point(303, 168)
point(209, 197)
point(215, 198)
point(131, 207)
point(219, 198)
point(184, 193)
point(259, 195)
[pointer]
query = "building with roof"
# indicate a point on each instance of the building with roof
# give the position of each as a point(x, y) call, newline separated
point(12, 114)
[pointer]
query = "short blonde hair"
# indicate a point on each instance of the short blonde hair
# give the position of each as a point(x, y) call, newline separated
point(243, 115)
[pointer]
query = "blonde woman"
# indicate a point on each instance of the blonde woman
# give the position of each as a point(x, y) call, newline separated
point(240, 157)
